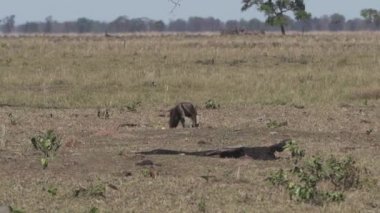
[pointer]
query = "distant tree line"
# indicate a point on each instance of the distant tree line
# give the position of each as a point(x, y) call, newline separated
point(336, 22)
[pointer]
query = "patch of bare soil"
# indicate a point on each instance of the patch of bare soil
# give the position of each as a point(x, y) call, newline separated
point(106, 149)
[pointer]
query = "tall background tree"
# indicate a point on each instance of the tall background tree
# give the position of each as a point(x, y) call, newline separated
point(276, 10)
point(371, 16)
point(48, 24)
point(8, 24)
point(337, 22)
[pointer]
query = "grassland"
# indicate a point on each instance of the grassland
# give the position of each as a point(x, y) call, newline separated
point(73, 71)
point(326, 86)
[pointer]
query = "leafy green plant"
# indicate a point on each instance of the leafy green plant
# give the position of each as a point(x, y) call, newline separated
point(342, 173)
point(16, 210)
point(316, 180)
point(202, 205)
point(132, 106)
point(294, 149)
point(275, 124)
point(51, 190)
point(211, 104)
point(94, 210)
point(93, 190)
point(369, 131)
point(278, 178)
point(48, 143)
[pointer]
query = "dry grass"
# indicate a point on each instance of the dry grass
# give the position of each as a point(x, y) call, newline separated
point(325, 86)
point(67, 71)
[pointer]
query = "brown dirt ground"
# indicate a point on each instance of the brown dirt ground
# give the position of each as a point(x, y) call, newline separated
point(96, 149)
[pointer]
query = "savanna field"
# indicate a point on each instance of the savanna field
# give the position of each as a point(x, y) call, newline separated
point(106, 98)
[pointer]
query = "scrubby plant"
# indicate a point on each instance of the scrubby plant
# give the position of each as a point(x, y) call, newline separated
point(52, 190)
point(94, 210)
point(211, 104)
point(296, 152)
point(48, 143)
point(93, 190)
point(132, 106)
point(317, 180)
point(202, 205)
point(16, 210)
point(272, 124)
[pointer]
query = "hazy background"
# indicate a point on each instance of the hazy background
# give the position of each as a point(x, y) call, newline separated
point(38, 10)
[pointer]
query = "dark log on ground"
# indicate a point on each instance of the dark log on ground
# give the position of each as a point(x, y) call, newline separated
point(257, 153)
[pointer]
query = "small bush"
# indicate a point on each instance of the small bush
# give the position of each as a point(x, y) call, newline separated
point(202, 205)
point(16, 210)
point(94, 210)
point(51, 190)
point(93, 190)
point(211, 104)
point(48, 143)
point(294, 149)
point(317, 180)
point(132, 106)
point(275, 124)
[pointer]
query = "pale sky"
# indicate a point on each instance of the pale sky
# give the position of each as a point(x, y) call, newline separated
point(66, 10)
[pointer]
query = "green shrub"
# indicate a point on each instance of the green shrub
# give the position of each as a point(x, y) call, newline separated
point(211, 104)
point(275, 124)
point(93, 190)
point(48, 143)
point(305, 179)
point(132, 106)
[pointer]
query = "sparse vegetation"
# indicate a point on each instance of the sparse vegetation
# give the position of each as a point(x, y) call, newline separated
point(202, 205)
point(317, 180)
point(104, 113)
point(272, 124)
point(16, 210)
point(317, 82)
point(94, 210)
point(96, 71)
point(52, 190)
point(132, 106)
point(12, 119)
point(48, 143)
point(96, 189)
point(211, 104)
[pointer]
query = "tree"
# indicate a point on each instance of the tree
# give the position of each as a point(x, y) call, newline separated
point(48, 24)
point(371, 16)
point(255, 24)
point(120, 24)
point(29, 27)
point(276, 10)
point(9, 24)
point(232, 25)
point(158, 26)
point(178, 25)
point(336, 22)
point(84, 25)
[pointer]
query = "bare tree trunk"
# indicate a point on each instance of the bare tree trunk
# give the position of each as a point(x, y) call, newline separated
point(282, 29)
